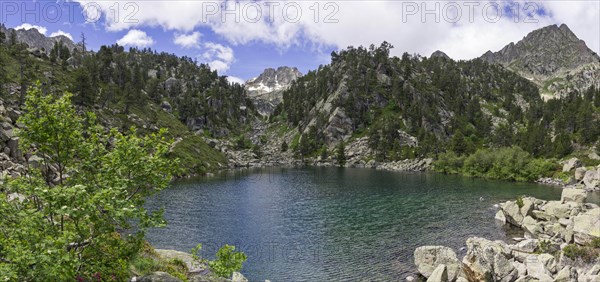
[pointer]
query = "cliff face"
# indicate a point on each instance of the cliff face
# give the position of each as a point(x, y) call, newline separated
point(266, 90)
point(554, 58)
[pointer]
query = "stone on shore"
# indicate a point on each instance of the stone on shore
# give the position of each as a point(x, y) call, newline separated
point(580, 173)
point(573, 195)
point(571, 164)
point(238, 277)
point(515, 214)
point(440, 274)
point(488, 261)
point(591, 180)
point(428, 258)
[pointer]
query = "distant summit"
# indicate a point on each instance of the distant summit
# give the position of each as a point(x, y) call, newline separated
point(439, 54)
point(266, 90)
point(36, 40)
point(553, 57)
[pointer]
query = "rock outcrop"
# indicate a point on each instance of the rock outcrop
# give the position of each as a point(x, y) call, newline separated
point(429, 258)
point(549, 227)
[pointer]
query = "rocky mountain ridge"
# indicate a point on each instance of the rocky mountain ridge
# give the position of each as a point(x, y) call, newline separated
point(554, 58)
point(38, 41)
point(266, 89)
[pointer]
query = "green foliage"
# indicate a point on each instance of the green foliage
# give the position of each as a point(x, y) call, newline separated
point(546, 247)
point(81, 196)
point(256, 150)
point(519, 201)
point(504, 163)
point(586, 253)
point(196, 157)
point(340, 154)
point(227, 261)
point(449, 162)
point(284, 146)
point(243, 143)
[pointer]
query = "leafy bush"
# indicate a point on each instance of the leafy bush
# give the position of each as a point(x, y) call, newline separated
point(227, 261)
point(75, 221)
point(509, 163)
point(449, 162)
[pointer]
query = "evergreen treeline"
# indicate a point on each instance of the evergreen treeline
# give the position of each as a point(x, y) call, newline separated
point(457, 106)
point(118, 79)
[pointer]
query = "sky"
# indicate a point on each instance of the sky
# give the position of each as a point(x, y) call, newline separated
point(242, 38)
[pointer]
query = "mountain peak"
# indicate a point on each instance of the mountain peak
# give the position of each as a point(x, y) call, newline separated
point(37, 40)
point(267, 89)
point(553, 57)
point(544, 52)
point(439, 54)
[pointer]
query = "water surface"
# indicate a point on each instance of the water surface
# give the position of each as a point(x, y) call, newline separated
point(332, 224)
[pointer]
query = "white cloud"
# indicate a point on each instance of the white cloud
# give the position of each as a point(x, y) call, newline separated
point(218, 57)
point(362, 22)
point(27, 26)
point(234, 79)
point(136, 38)
point(188, 41)
point(60, 32)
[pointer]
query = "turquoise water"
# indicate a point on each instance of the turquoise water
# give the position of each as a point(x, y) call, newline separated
point(332, 224)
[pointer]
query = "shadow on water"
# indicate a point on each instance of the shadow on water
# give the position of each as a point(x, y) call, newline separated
point(322, 224)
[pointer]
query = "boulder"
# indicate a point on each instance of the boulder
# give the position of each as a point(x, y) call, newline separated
point(238, 277)
point(542, 215)
point(527, 245)
point(521, 269)
point(500, 217)
point(567, 274)
point(571, 164)
point(549, 262)
point(573, 195)
point(428, 258)
point(188, 259)
point(532, 226)
point(488, 261)
point(166, 106)
point(591, 179)
point(512, 213)
point(580, 173)
point(159, 277)
point(558, 209)
point(586, 226)
point(13, 145)
point(536, 269)
point(440, 274)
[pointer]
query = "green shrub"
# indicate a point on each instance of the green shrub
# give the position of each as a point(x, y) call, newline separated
point(449, 162)
point(585, 253)
point(227, 261)
point(519, 201)
point(509, 163)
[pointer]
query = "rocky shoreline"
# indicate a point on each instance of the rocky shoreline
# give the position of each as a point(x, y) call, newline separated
point(561, 242)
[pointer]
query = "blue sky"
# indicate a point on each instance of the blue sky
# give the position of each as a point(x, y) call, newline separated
point(242, 38)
